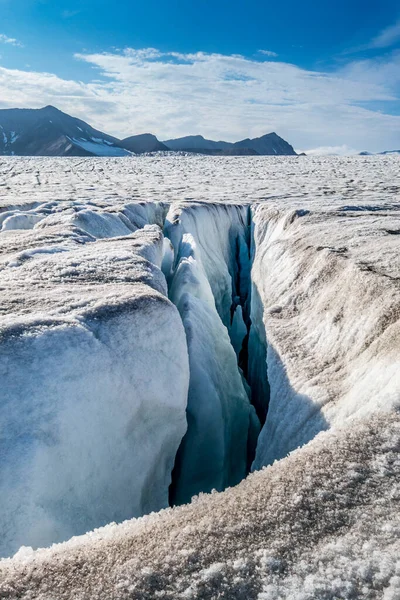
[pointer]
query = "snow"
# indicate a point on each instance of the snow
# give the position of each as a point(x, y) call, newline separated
point(100, 370)
point(327, 280)
point(321, 524)
point(99, 147)
point(82, 445)
point(20, 220)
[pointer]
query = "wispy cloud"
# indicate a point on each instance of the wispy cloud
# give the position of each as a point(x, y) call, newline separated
point(4, 39)
point(386, 38)
point(268, 53)
point(222, 96)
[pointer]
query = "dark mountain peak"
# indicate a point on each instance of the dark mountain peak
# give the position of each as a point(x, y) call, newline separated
point(141, 136)
point(50, 108)
point(196, 143)
point(270, 144)
point(50, 132)
point(144, 142)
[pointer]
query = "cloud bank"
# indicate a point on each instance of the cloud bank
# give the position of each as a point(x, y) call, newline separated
point(224, 97)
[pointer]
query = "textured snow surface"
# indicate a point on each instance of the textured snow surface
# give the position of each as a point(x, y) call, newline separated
point(329, 286)
point(290, 180)
point(99, 357)
point(83, 329)
point(324, 523)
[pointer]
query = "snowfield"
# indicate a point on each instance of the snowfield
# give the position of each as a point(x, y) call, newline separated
point(170, 323)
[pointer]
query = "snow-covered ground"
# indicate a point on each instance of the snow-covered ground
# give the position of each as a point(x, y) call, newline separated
point(122, 352)
point(290, 180)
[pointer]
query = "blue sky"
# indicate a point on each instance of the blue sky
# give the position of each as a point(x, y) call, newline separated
point(323, 75)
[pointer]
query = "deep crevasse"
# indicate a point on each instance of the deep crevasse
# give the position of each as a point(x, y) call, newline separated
point(208, 281)
point(322, 328)
point(102, 404)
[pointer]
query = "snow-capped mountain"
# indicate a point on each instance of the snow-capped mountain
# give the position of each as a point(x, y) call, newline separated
point(50, 132)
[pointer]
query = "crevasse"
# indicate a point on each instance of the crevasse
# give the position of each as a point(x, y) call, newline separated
point(207, 268)
point(121, 386)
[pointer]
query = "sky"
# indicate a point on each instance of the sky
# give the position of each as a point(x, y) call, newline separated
point(323, 75)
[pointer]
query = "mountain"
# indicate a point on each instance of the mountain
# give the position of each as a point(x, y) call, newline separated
point(365, 153)
point(220, 152)
point(390, 152)
point(146, 142)
point(195, 143)
point(270, 144)
point(50, 132)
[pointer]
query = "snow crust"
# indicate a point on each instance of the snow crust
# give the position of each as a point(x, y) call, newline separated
point(294, 182)
point(321, 524)
point(328, 283)
point(95, 358)
point(83, 326)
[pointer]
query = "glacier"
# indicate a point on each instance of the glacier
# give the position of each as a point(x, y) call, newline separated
point(171, 324)
point(204, 285)
point(83, 329)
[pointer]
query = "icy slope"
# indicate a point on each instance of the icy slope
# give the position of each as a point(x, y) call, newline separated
point(321, 524)
point(328, 283)
point(84, 326)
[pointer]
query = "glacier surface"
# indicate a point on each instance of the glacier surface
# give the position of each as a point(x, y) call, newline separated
point(156, 313)
point(90, 433)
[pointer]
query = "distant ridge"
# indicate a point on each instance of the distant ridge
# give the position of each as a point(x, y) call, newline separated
point(365, 153)
point(270, 144)
point(50, 132)
point(145, 142)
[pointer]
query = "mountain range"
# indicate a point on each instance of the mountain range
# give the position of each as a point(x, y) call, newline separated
point(365, 153)
point(50, 132)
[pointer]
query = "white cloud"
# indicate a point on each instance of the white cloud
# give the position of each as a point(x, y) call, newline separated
point(4, 39)
point(268, 53)
point(220, 96)
point(331, 151)
point(386, 38)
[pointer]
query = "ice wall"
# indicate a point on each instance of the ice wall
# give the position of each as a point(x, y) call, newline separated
point(331, 321)
point(206, 284)
point(221, 233)
point(94, 378)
